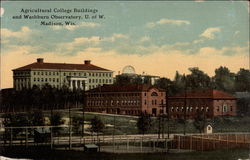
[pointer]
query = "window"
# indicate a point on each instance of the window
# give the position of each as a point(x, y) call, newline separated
point(154, 94)
point(145, 94)
point(34, 73)
point(145, 102)
point(34, 79)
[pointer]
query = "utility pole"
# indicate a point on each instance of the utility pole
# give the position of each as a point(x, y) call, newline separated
point(83, 109)
point(70, 132)
point(167, 110)
point(185, 105)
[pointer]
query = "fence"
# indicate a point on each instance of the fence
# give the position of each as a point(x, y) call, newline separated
point(204, 142)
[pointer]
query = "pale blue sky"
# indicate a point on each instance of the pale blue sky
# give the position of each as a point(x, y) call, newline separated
point(219, 29)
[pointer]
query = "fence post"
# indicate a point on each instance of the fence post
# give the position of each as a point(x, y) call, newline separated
point(227, 142)
point(236, 139)
point(202, 143)
point(141, 144)
point(26, 137)
point(51, 137)
point(179, 138)
point(11, 135)
point(127, 144)
point(191, 143)
point(153, 145)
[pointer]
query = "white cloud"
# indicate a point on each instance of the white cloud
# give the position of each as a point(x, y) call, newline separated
point(168, 21)
point(115, 36)
point(73, 27)
point(162, 62)
point(1, 12)
point(144, 39)
point(210, 32)
point(23, 33)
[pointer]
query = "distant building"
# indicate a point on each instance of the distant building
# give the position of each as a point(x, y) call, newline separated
point(129, 71)
point(130, 99)
point(84, 76)
point(212, 103)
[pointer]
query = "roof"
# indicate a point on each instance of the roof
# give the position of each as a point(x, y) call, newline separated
point(124, 88)
point(91, 146)
point(63, 66)
point(209, 93)
point(242, 94)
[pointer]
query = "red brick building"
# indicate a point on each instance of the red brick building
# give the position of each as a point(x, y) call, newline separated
point(131, 99)
point(212, 103)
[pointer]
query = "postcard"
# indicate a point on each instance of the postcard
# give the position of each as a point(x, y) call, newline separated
point(126, 79)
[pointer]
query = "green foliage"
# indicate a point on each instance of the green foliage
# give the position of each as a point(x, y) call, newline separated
point(200, 122)
point(96, 125)
point(242, 82)
point(77, 121)
point(144, 123)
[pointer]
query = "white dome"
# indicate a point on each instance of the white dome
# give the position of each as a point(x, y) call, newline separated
point(128, 70)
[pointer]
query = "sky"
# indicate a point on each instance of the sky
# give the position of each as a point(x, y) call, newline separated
point(156, 37)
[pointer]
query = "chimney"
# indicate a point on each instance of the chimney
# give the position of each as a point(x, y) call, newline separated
point(87, 61)
point(39, 60)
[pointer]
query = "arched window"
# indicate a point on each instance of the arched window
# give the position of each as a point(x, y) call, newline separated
point(154, 94)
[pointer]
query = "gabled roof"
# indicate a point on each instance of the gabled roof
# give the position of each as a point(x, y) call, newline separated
point(63, 66)
point(209, 93)
point(124, 88)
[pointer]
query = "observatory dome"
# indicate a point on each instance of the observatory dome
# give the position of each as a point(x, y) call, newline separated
point(128, 70)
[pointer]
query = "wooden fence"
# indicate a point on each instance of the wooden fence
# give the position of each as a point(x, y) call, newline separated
point(204, 142)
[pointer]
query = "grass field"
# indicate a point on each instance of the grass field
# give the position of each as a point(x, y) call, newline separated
point(40, 154)
point(127, 125)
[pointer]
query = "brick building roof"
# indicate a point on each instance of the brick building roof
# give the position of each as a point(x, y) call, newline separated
point(124, 88)
point(64, 66)
point(210, 93)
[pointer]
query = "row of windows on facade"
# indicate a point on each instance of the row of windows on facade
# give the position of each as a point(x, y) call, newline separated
point(153, 102)
point(115, 95)
point(114, 110)
point(224, 108)
point(96, 103)
point(189, 109)
point(120, 94)
point(51, 73)
point(57, 80)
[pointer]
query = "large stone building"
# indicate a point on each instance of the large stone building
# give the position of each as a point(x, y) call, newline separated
point(130, 99)
point(83, 76)
point(212, 103)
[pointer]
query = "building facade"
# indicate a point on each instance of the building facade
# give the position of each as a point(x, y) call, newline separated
point(75, 76)
point(130, 99)
point(211, 103)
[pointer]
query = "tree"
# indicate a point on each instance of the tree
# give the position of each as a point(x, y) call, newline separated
point(96, 125)
point(77, 122)
point(200, 122)
point(224, 80)
point(144, 123)
point(56, 120)
point(37, 118)
point(242, 82)
point(197, 79)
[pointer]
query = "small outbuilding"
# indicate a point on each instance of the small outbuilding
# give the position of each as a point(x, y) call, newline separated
point(90, 148)
point(208, 129)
